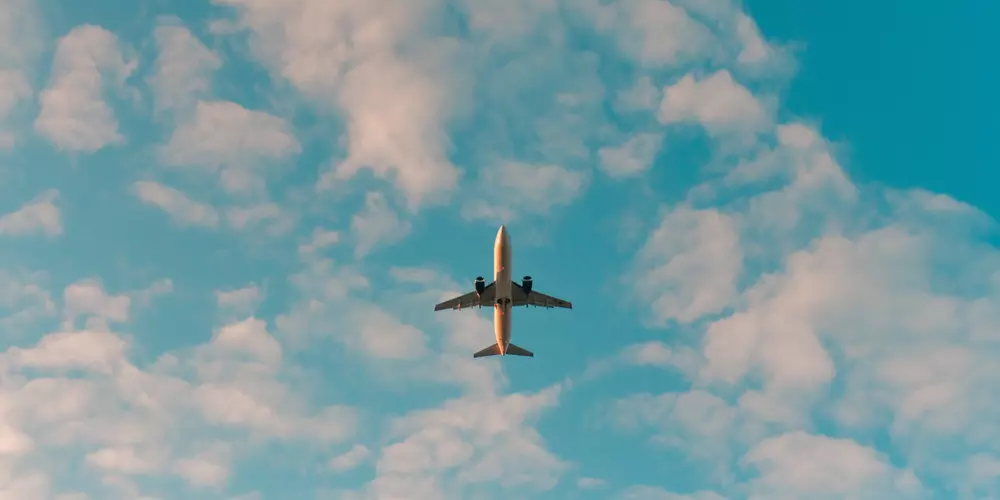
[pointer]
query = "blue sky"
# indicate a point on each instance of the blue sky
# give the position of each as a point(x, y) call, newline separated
point(224, 226)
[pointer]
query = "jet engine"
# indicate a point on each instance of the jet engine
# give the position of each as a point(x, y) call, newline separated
point(526, 284)
point(480, 285)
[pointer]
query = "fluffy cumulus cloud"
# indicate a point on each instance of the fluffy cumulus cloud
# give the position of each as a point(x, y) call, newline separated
point(87, 68)
point(20, 44)
point(225, 228)
point(38, 216)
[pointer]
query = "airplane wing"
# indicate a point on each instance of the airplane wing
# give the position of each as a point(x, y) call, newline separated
point(471, 299)
point(537, 299)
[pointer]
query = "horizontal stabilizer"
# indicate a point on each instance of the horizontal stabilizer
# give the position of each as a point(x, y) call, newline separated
point(492, 350)
point(514, 350)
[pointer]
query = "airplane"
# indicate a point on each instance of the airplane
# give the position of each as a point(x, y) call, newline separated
point(503, 294)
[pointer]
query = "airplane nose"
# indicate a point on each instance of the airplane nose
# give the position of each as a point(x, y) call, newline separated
point(502, 234)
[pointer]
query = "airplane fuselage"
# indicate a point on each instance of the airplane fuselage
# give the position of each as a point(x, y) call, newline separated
point(502, 307)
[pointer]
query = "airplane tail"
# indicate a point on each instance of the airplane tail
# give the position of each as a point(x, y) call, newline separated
point(513, 350)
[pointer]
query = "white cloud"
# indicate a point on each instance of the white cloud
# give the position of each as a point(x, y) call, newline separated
point(14, 88)
point(654, 353)
point(654, 32)
point(77, 392)
point(39, 215)
point(801, 298)
point(269, 216)
point(697, 422)
point(24, 300)
point(394, 111)
point(717, 102)
point(382, 335)
point(513, 188)
point(590, 483)
point(895, 339)
point(96, 351)
point(240, 301)
point(633, 157)
point(502, 24)
point(350, 459)
point(396, 105)
point(797, 465)
point(226, 137)
point(204, 470)
point(20, 44)
point(449, 452)
point(183, 67)
point(14, 442)
point(320, 239)
point(181, 209)
point(123, 460)
point(74, 114)
point(88, 298)
point(756, 55)
point(376, 225)
point(689, 265)
point(249, 336)
point(642, 96)
point(159, 287)
point(656, 493)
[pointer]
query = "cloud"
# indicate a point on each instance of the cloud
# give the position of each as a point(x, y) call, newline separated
point(807, 335)
point(183, 67)
point(170, 418)
point(14, 87)
point(652, 32)
point(377, 224)
point(396, 102)
point(633, 157)
point(227, 138)
point(717, 102)
point(394, 112)
point(430, 452)
point(269, 216)
point(20, 44)
point(520, 188)
point(320, 239)
point(240, 301)
point(656, 493)
point(350, 459)
point(251, 337)
point(590, 483)
point(204, 470)
point(146, 295)
point(181, 209)
point(91, 351)
point(74, 114)
point(653, 354)
point(88, 298)
point(642, 96)
point(39, 215)
point(798, 464)
point(689, 265)
point(23, 300)
point(895, 340)
point(439, 453)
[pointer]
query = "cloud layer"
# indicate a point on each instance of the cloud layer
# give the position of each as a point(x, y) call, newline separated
point(224, 230)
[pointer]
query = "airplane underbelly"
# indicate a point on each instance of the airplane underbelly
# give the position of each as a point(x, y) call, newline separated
point(503, 287)
point(501, 323)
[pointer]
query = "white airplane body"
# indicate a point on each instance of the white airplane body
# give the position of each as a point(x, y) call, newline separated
point(504, 294)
